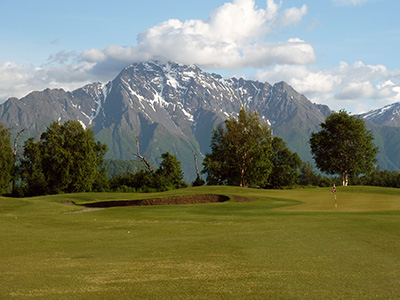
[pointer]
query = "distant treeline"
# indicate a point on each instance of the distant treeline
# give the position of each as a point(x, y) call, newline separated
point(67, 159)
point(121, 167)
point(379, 177)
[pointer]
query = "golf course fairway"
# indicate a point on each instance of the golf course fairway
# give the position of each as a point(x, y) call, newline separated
point(260, 244)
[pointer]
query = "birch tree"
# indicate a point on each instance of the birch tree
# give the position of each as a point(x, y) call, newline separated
point(343, 146)
point(240, 152)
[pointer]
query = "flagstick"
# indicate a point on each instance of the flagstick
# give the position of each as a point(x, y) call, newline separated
point(334, 192)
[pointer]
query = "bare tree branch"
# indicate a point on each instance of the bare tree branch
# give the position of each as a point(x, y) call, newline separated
point(16, 142)
point(15, 159)
point(142, 157)
point(195, 164)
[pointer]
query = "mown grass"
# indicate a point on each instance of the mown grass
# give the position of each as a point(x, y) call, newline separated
point(291, 244)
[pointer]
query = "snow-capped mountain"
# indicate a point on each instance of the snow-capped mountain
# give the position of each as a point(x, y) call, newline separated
point(388, 115)
point(170, 107)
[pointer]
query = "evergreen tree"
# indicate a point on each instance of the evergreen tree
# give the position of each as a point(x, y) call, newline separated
point(307, 175)
point(285, 165)
point(169, 173)
point(343, 146)
point(6, 159)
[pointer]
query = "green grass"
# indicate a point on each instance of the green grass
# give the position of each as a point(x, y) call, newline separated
point(290, 244)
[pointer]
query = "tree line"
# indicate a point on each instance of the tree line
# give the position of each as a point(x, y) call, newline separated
point(66, 158)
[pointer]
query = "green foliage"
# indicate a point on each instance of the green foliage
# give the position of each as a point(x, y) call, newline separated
point(101, 182)
point(240, 152)
point(168, 176)
point(343, 146)
point(65, 159)
point(198, 181)
point(285, 165)
point(131, 182)
point(119, 166)
point(382, 178)
point(6, 159)
point(309, 177)
point(169, 172)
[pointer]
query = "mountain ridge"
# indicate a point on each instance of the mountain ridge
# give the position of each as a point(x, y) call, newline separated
point(388, 115)
point(170, 107)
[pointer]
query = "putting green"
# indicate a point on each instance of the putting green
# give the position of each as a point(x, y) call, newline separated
point(348, 199)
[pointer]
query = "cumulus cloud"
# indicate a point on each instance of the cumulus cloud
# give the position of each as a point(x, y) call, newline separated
point(234, 36)
point(17, 80)
point(357, 86)
point(292, 16)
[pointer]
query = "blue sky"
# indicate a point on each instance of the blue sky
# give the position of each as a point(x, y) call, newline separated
point(343, 53)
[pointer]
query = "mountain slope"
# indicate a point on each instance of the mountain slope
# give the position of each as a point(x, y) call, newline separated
point(170, 107)
point(384, 124)
point(187, 103)
point(388, 115)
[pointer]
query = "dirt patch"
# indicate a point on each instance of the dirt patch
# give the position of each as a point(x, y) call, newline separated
point(192, 199)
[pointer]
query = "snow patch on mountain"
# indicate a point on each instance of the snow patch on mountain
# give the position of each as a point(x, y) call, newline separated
point(378, 112)
point(387, 115)
point(83, 124)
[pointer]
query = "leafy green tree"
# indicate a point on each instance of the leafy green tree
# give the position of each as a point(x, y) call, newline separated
point(6, 159)
point(65, 159)
point(198, 181)
point(285, 165)
point(380, 177)
point(343, 146)
point(31, 169)
point(240, 152)
point(168, 176)
point(120, 166)
point(101, 182)
point(169, 173)
point(307, 175)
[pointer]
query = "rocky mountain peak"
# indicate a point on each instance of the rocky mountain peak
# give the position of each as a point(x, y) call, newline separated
point(170, 107)
point(388, 115)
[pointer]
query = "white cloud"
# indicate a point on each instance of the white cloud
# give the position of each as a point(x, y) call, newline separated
point(17, 80)
point(293, 51)
point(229, 38)
point(292, 16)
point(93, 55)
point(358, 87)
point(357, 90)
point(234, 36)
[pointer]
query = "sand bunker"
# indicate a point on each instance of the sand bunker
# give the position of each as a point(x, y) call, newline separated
point(192, 199)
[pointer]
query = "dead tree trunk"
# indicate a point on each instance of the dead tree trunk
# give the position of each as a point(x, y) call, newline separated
point(16, 143)
point(142, 157)
point(15, 158)
point(195, 165)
